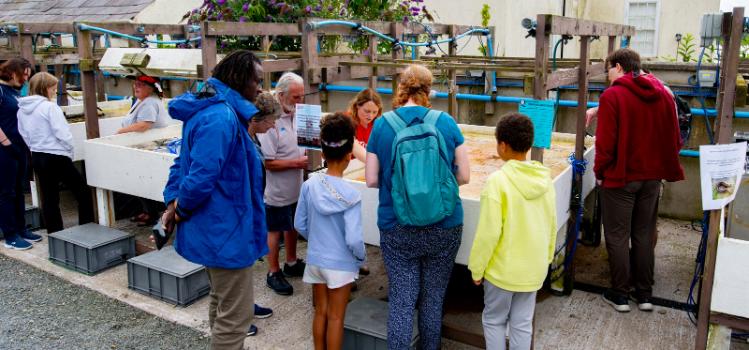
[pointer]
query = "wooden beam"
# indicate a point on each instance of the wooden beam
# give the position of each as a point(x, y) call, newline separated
point(250, 29)
point(100, 86)
point(452, 76)
point(373, 58)
point(563, 77)
point(558, 25)
point(309, 62)
point(39, 27)
point(732, 32)
point(88, 84)
point(541, 67)
point(396, 30)
point(612, 44)
point(267, 76)
point(208, 51)
point(270, 66)
point(730, 321)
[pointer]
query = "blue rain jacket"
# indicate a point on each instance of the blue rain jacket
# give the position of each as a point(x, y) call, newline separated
point(217, 180)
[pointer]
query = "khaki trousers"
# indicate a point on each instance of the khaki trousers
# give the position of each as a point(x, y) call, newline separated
point(231, 308)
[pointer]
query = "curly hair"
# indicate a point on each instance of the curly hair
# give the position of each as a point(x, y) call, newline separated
point(336, 136)
point(415, 84)
point(516, 130)
point(268, 107)
point(364, 96)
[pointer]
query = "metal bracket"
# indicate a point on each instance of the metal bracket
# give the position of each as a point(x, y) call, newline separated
point(88, 65)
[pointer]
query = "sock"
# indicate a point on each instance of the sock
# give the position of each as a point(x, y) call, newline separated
point(290, 264)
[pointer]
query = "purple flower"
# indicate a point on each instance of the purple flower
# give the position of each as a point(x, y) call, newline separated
point(318, 8)
point(271, 2)
point(220, 16)
point(365, 52)
point(415, 9)
point(221, 2)
point(246, 6)
point(269, 18)
point(330, 8)
point(243, 19)
point(424, 8)
point(281, 4)
point(308, 9)
point(343, 11)
point(415, 13)
point(405, 19)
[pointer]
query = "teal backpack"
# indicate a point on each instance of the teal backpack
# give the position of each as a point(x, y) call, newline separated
point(424, 188)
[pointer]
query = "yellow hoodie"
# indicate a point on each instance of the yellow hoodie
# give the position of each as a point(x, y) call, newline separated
point(516, 232)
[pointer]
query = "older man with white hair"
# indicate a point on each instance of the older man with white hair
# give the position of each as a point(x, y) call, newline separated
point(284, 164)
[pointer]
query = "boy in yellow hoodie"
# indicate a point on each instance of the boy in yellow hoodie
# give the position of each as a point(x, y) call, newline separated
point(515, 236)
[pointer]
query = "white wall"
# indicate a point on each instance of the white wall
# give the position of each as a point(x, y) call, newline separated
point(166, 11)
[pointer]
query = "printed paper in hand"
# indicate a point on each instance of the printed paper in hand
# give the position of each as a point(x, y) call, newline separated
point(308, 124)
point(721, 168)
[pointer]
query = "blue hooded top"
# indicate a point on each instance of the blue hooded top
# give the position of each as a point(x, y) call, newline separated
point(217, 180)
point(329, 217)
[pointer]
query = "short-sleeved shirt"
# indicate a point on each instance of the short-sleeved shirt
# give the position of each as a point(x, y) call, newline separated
point(363, 132)
point(282, 187)
point(149, 110)
point(381, 143)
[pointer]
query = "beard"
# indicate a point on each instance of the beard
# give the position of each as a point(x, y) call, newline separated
point(289, 109)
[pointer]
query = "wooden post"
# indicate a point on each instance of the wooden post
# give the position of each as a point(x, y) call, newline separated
point(452, 76)
point(62, 91)
point(100, 88)
point(542, 64)
point(309, 62)
point(396, 29)
point(88, 82)
point(25, 46)
point(612, 45)
point(266, 75)
point(373, 58)
point(726, 96)
point(208, 51)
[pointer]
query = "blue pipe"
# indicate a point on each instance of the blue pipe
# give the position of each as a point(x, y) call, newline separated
point(135, 38)
point(506, 99)
point(316, 25)
point(689, 153)
point(490, 51)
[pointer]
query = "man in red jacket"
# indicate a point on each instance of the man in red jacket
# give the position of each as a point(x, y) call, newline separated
point(637, 146)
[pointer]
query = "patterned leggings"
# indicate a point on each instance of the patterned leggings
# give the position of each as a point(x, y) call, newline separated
point(418, 261)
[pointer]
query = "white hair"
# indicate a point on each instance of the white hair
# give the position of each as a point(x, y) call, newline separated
point(287, 80)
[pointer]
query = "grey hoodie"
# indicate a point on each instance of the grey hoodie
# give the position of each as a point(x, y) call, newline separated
point(43, 126)
point(329, 216)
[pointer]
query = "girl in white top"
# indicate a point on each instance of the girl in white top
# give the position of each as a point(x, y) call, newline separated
point(45, 130)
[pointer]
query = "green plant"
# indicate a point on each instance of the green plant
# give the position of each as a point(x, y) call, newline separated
point(290, 11)
point(485, 17)
point(686, 49)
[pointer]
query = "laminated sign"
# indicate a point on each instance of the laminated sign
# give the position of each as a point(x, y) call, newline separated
point(721, 168)
point(541, 113)
point(308, 124)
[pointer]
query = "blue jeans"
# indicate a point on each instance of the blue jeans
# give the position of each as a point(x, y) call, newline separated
point(13, 163)
point(418, 261)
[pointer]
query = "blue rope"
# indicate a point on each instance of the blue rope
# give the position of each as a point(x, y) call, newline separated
point(578, 168)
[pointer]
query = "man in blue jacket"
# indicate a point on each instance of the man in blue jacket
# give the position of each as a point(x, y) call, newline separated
point(215, 193)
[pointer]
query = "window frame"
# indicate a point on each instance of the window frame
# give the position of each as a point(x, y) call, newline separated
point(657, 29)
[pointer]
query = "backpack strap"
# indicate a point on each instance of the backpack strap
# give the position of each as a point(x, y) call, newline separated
point(432, 117)
point(395, 121)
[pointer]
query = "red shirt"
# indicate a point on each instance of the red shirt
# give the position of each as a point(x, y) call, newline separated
point(363, 132)
point(637, 137)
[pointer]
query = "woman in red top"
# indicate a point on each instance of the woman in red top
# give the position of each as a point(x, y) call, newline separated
point(364, 109)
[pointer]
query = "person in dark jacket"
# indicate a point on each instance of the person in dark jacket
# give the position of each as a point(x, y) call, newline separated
point(13, 157)
point(214, 193)
point(637, 146)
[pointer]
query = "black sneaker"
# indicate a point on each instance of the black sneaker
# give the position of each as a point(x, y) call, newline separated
point(619, 302)
point(278, 283)
point(262, 312)
point(643, 303)
point(252, 331)
point(294, 271)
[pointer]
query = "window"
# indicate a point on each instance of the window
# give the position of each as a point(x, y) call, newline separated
point(644, 14)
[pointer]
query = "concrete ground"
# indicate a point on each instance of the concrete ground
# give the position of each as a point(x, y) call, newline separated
point(579, 321)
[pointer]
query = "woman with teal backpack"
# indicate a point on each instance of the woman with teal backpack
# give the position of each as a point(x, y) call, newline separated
point(417, 159)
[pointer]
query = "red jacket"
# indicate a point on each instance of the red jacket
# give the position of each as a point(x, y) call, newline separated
point(637, 137)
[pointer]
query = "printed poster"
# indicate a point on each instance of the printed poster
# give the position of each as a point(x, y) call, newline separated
point(308, 124)
point(721, 168)
point(541, 113)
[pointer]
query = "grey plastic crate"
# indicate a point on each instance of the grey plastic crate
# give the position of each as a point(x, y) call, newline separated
point(90, 248)
point(166, 275)
point(365, 325)
point(33, 217)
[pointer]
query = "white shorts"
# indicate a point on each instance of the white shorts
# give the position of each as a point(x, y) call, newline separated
point(332, 278)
